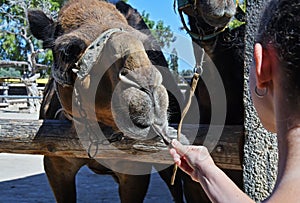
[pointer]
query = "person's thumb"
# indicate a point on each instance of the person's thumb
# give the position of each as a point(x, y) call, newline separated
point(180, 149)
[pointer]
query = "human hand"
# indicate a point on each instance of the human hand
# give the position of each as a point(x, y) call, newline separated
point(194, 160)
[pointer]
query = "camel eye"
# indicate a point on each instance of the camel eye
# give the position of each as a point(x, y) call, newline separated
point(58, 30)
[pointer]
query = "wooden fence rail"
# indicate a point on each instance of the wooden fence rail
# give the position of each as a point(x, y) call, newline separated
point(59, 138)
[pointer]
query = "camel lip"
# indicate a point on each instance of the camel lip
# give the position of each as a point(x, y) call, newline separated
point(219, 21)
point(163, 135)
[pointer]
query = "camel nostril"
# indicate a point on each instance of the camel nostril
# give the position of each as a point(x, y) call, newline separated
point(147, 91)
point(140, 110)
point(141, 125)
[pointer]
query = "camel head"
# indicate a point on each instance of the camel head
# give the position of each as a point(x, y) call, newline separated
point(217, 13)
point(122, 89)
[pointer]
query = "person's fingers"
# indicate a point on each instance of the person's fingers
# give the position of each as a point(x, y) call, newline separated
point(172, 151)
point(181, 149)
point(176, 157)
point(183, 164)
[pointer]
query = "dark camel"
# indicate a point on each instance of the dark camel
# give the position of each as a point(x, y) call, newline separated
point(207, 26)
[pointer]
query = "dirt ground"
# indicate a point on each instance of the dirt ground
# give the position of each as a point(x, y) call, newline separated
point(22, 179)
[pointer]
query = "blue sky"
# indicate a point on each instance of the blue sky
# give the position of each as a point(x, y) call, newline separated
point(159, 10)
point(163, 10)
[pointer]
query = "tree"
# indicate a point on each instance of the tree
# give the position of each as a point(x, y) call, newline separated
point(173, 64)
point(162, 33)
point(165, 37)
point(187, 72)
point(19, 49)
point(9, 72)
point(174, 61)
point(235, 22)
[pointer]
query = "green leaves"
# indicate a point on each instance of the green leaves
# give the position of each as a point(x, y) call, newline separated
point(162, 33)
point(9, 72)
point(16, 43)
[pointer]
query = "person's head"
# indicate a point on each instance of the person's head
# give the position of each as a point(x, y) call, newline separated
point(277, 57)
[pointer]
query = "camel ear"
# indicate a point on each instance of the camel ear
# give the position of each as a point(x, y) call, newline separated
point(41, 27)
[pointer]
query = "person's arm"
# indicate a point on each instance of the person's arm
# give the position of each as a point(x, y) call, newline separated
point(197, 162)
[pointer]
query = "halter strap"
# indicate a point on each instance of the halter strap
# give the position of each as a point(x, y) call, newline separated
point(91, 54)
point(86, 61)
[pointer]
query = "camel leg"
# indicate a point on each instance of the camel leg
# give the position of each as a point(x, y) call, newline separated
point(61, 174)
point(176, 189)
point(193, 191)
point(133, 188)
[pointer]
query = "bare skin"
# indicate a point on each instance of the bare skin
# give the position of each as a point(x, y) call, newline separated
point(197, 162)
point(277, 114)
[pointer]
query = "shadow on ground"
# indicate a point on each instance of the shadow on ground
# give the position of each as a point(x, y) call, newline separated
point(91, 188)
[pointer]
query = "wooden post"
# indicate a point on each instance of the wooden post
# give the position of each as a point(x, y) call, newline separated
point(59, 138)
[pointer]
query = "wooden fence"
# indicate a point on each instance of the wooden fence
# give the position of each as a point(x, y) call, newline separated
point(59, 138)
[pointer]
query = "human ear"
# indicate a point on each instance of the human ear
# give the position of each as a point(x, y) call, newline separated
point(262, 66)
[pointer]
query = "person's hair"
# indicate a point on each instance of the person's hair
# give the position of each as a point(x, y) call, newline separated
point(280, 26)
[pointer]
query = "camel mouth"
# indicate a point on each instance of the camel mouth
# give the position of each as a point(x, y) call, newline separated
point(162, 133)
point(217, 15)
point(133, 112)
point(217, 21)
point(137, 107)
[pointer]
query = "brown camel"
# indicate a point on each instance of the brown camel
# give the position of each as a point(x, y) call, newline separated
point(122, 71)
